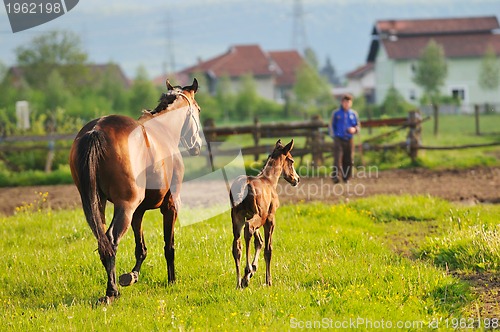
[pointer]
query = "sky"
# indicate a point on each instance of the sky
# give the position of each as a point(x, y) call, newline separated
point(164, 34)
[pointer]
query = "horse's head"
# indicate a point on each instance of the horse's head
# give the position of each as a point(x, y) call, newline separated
point(191, 128)
point(283, 154)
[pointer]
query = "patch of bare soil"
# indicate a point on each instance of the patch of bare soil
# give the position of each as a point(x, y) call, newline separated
point(487, 286)
point(471, 186)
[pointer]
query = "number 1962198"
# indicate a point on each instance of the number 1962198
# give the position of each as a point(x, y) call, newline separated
point(472, 323)
point(33, 8)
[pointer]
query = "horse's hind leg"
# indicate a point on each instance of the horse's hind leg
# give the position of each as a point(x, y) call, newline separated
point(169, 217)
point(268, 247)
point(250, 230)
point(121, 222)
point(237, 226)
point(131, 278)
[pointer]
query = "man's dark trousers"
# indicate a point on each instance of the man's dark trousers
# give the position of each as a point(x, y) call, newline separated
point(343, 155)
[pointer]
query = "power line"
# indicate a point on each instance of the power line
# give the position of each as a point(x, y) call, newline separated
point(169, 62)
point(299, 36)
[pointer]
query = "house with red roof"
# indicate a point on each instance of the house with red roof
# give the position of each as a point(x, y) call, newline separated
point(396, 47)
point(359, 82)
point(274, 72)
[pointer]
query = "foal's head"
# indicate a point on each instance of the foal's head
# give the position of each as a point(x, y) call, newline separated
point(283, 157)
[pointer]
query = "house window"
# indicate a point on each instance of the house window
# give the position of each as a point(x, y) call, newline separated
point(459, 93)
point(412, 95)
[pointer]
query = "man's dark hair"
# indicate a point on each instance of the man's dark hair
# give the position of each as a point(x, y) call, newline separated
point(347, 96)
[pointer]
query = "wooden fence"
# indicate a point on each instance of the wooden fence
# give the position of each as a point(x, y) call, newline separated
point(314, 131)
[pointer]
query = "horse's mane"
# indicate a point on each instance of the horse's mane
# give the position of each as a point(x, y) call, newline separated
point(165, 100)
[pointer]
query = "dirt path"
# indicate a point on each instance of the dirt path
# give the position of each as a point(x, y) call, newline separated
point(472, 186)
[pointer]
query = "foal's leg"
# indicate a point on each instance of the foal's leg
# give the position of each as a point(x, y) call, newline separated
point(238, 223)
point(141, 251)
point(169, 217)
point(258, 246)
point(250, 229)
point(121, 221)
point(268, 248)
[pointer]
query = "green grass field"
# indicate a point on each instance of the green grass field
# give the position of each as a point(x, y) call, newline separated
point(332, 265)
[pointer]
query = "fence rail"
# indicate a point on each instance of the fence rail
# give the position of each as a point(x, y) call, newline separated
point(314, 132)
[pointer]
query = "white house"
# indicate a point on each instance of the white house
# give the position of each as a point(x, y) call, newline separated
point(397, 45)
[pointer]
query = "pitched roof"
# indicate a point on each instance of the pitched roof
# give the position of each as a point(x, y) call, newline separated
point(244, 59)
point(459, 37)
point(95, 74)
point(360, 71)
point(437, 26)
point(454, 46)
point(99, 71)
point(287, 62)
point(237, 61)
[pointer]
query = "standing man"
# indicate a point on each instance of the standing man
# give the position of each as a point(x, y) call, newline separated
point(343, 125)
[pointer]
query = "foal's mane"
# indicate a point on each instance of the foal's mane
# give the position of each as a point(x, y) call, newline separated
point(276, 152)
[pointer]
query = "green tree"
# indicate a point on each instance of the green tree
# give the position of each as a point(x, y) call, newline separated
point(114, 91)
point(312, 93)
point(59, 50)
point(430, 74)
point(3, 71)
point(55, 93)
point(247, 98)
point(489, 74)
point(143, 94)
point(395, 104)
point(225, 96)
point(311, 58)
point(208, 104)
point(431, 69)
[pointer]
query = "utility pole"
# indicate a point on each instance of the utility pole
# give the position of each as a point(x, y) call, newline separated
point(169, 63)
point(299, 36)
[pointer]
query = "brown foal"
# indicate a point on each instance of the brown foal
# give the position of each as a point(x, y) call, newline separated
point(254, 202)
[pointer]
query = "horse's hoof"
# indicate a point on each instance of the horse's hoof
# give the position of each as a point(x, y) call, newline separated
point(128, 279)
point(106, 300)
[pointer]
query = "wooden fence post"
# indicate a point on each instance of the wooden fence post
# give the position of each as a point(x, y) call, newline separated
point(414, 134)
point(50, 127)
point(476, 113)
point(370, 116)
point(256, 136)
point(316, 140)
point(210, 124)
point(435, 107)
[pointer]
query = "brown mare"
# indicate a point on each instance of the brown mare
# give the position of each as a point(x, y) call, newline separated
point(254, 202)
point(136, 165)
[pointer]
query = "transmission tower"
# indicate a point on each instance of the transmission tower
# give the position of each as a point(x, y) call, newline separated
point(299, 36)
point(169, 63)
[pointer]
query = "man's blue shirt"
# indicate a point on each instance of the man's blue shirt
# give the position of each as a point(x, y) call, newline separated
point(341, 121)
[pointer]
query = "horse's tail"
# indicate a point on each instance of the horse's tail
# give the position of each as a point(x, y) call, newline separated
point(91, 149)
point(243, 193)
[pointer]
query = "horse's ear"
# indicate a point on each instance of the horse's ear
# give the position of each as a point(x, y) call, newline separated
point(169, 86)
point(288, 147)
point(278, 144)
point(194, 86)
